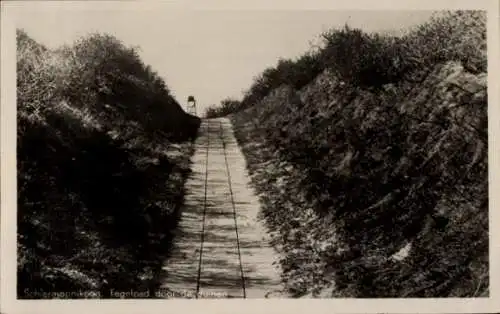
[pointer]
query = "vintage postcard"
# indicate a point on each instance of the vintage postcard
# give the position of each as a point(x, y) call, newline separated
point(230, 156)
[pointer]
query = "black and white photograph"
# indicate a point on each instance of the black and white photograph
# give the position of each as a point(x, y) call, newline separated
point(164, 152)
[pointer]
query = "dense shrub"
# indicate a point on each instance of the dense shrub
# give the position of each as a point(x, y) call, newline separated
point(226, 107)
point(99, 178)
point(363, 59)
point(377, 154)
point(371, 60)
point(113, 74)
point(296, 73)
point(450, 35)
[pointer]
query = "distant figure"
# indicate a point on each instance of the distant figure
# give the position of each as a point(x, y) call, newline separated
point(191, 105)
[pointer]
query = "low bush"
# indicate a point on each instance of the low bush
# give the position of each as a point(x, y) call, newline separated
point(226, 107)
point(371, 60)
point(100, 177)
point(380, 157)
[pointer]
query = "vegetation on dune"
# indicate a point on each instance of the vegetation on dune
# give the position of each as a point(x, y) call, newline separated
point(371, 60)
point(373, 175)
point(226, 107)
point(103, 152)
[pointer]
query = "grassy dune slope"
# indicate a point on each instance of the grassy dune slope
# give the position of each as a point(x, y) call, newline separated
point(103, 152)
point(379, 188)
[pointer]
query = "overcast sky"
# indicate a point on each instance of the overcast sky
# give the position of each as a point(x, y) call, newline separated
point(209, 54)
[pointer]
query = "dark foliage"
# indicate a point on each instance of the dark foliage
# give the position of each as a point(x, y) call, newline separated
point(227, 106)
point(376, 154)
point(100, 180)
